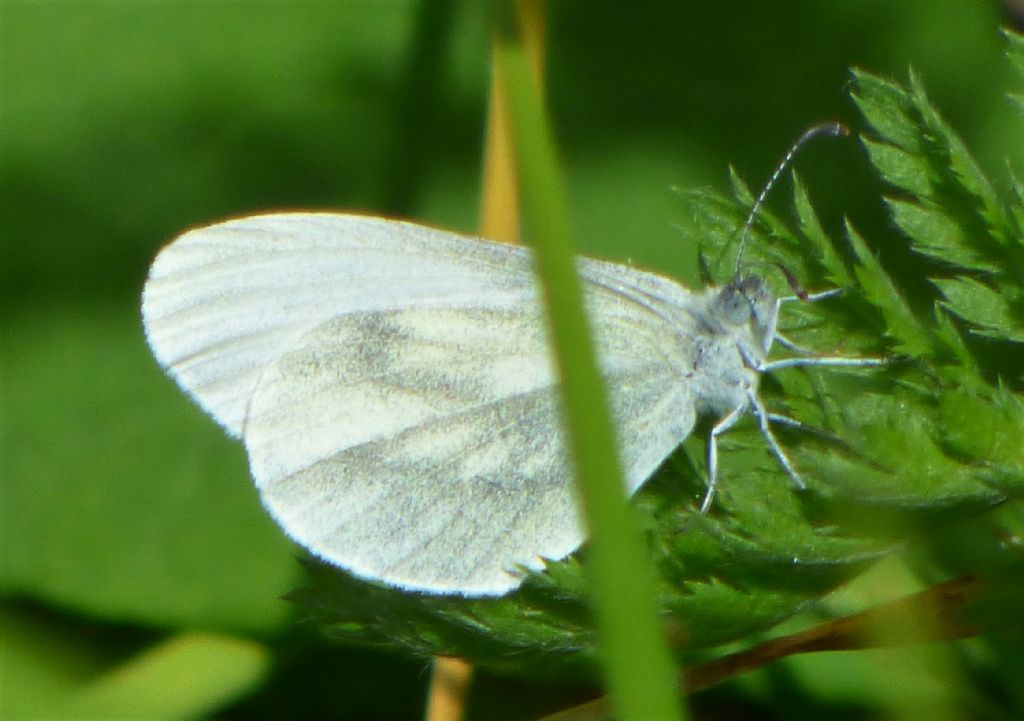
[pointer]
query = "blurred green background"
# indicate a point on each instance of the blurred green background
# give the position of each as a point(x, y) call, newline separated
point(129, 531)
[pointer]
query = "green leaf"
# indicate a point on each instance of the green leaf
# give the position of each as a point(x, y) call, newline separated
point(40, 663)
point(985, 427)
point(939, 236)
point(186, 677)
point(950, 335)
point(62, 669)
point(714, 221)
point(889, 112)
point(835, 269)
point(148, 511)
point(902, 326)
point(1015, 51)
point(905, 170)
point(960, 163)
point(1017, 207)
point(991, 312)
point(921, 154)
point(1015, 54)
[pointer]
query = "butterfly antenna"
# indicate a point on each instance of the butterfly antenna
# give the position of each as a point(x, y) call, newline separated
point(835, 130)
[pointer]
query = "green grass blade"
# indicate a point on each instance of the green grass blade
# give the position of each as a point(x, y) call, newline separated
point(636, 662)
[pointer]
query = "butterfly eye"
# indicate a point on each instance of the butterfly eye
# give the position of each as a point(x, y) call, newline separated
point(735, 308)
point(752, 287)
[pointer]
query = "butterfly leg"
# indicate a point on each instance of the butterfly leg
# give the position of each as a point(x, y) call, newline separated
point(791, 345)
point(834, 361)
point(787, 421)
point(763, 419)
point(727, 422)
point(803, 427)
point(811, 298)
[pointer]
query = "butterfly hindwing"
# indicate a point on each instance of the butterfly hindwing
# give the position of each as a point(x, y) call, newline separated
point(425, 447)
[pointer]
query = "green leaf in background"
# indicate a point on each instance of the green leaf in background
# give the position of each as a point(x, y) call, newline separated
point(185, 677)
point(138, 521)
point(46, 672)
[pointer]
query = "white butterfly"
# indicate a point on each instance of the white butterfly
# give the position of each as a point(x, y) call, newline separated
point(397, 396)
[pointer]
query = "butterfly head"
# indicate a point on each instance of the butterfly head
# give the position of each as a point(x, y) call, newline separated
point(746, 302)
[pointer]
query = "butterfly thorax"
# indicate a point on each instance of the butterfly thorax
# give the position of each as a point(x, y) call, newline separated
point(738, 325)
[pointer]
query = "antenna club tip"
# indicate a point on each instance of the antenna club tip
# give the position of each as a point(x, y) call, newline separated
point(834, 128)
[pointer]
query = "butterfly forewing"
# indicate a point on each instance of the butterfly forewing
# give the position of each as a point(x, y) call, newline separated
point(224, 301)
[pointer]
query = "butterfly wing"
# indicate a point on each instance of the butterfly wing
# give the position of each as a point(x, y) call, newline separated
point(222, 302)
point(407, 426)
